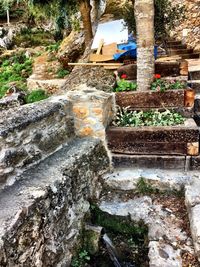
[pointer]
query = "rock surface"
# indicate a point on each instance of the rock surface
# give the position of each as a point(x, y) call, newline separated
point(41, 214)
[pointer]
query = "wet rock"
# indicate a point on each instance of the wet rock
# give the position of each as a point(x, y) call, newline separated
point(161, 254)
point(92, 236)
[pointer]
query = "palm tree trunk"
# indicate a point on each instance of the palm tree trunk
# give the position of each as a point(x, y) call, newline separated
point(85, 9)
point(144, 15)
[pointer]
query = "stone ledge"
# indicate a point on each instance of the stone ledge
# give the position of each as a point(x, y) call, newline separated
point(32, 132)
point(23, 116)
point(41, 214)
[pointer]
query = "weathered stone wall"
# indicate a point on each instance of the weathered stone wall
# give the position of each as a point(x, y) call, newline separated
point(42, 214)
point(32, 132)
point(191, 24)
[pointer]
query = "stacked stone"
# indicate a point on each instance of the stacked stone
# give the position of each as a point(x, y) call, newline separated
point(93, 111)
point(191, 24)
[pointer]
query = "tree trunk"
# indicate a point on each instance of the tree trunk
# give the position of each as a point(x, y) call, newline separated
point(8, 16)
point(85, 9)
point(144, 16)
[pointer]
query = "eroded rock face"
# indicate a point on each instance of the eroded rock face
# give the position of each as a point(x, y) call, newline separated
point(42, 214)
point(191, 23)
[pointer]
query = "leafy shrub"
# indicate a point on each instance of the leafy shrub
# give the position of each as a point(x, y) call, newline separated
point(82, 258)
point(123, 85)
point(163, 85)
point(126, 118)
point(36, 95)
point(61, 73)
point(53, 47)
point(15, 69)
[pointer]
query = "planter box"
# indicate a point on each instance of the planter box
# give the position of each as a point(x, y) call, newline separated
point(152, 99)
point(164, 140)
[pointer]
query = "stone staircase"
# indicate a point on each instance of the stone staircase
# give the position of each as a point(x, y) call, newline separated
point(177, 48)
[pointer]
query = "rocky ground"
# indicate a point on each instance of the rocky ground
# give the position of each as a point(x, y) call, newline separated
point(158, 199)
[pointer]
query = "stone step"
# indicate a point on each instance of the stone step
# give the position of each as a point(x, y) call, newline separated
point(175, 46)
point(173, 42)
point(173, 52)
point(190, 56)
point(46, 205)
point(163, 229)
point(127, 179)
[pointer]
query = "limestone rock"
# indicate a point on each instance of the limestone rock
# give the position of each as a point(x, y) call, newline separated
point(161, 254)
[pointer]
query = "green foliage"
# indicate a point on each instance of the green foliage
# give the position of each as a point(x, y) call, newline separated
point(123, 85)
point(15, 69)
point(117, 224)
point(36, 95)
point(81, 260)
point(28, 38)
point(167, 15)
point(163, 85)
point(144, 188)
point(126, 118)
point(61, 73)
point(53, 47)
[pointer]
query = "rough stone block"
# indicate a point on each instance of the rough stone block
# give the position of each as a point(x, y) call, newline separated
point(161, 254)
point(32, 132)
point(195, 163)
point(93, 111)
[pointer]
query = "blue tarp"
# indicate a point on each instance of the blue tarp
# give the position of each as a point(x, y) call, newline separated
point(130, 50)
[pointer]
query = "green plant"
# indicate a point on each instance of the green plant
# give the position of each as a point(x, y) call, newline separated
point(163, 85)
point(82, 258)
point(15, 69)
point(53, 47)
point(36, 95)
point(123, 85)
point(127, 118)
point(61, 73)
point(144, 188)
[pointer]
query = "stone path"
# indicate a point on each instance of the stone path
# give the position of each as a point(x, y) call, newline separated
point(170, 243)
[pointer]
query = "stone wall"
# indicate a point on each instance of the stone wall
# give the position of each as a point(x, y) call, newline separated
point(191, 25)
point(32, 132)
point(42, 214)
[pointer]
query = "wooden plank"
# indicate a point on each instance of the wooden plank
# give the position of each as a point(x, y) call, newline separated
point(150, 99)
point(100, 58)
point(148, 161)
point(146, 134)
point(160, 148)
point(100, 47)
point(110, 49)
point(94, 64)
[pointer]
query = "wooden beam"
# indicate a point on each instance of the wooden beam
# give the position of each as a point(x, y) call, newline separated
point(95, 64)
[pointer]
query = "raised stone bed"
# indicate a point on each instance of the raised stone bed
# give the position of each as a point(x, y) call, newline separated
point(154, 140)
point(152, 99)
